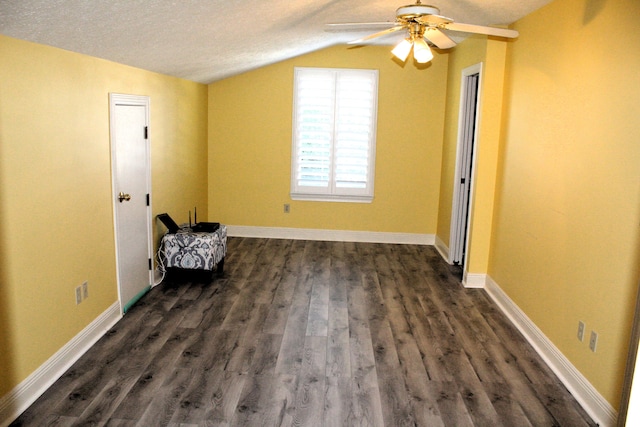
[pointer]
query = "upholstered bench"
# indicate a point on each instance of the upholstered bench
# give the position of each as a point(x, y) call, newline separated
point(195, 250)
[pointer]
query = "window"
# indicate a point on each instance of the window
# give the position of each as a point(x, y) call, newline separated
point(334, 133)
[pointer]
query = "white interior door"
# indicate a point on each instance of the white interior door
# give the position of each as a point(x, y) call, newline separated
point(131, 195)
point(467, 131)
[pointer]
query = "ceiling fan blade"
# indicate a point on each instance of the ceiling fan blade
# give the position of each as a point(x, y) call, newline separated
point(479, 29)
point(438, 38)
point(358, 26)
point(378, 34)
point(433, 20)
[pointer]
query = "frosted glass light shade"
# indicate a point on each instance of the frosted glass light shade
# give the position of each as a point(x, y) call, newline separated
point(421, 51)
point(401, 51)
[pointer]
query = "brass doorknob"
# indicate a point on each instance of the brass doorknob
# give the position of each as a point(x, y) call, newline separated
point(123, 197)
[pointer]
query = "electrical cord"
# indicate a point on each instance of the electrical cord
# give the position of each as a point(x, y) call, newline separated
point(161, 268)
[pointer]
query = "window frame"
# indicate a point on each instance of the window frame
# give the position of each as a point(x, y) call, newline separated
point(334, 192)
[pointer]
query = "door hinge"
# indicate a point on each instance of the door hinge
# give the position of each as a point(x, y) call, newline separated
point(463, 180)
point(150, 264)
point(147, 199)
point(146, 132)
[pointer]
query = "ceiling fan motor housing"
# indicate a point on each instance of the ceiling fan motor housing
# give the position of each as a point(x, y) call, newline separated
point(412, 11)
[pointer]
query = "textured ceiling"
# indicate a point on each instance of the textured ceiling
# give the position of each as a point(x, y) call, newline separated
point(208, 40)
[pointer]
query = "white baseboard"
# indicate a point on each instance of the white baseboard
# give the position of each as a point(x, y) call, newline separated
point(24, 394)
point(442, 249)
point(330, 235)
point(474, 280)
point(596, 406)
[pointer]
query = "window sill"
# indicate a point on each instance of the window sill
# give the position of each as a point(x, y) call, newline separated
point(331, 198)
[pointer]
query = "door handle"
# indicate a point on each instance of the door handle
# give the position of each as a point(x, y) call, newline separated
point(123, 197)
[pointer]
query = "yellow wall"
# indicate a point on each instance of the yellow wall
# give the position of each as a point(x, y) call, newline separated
point(250, 147)
point(566, 242)
point(486, 163)
point(56, 222)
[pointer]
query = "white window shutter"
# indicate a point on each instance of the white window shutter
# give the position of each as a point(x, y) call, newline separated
point(314, 123)
point(334, 127)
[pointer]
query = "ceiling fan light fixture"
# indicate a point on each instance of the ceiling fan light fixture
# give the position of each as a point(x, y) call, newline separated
point(421, 52)
point(402, 50)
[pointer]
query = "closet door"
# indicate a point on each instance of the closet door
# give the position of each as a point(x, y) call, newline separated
point(131, 196)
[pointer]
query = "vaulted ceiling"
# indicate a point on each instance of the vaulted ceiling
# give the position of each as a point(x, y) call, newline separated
point(208, 40)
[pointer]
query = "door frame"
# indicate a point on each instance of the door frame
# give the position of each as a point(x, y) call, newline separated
point(116, 99)
point(456, 241)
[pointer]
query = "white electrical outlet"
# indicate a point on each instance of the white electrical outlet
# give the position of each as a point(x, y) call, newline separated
point(593, 341)
point(581, 330)
point(78, 295)
point(85, 290)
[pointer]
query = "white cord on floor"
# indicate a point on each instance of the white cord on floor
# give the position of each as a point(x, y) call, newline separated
point(161, 268)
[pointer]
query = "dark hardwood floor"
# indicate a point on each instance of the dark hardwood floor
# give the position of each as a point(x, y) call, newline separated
point(312, 334)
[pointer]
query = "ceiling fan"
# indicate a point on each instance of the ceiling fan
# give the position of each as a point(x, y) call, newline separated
point(425, 26)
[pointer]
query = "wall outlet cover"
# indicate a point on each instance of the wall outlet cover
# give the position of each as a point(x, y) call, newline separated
point(593, 341)
point(581, 330)
point(78, 295)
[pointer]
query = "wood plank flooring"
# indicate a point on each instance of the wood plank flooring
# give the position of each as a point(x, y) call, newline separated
point(306, 333)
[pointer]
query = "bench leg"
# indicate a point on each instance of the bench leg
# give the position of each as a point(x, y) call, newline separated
point(220, 267)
